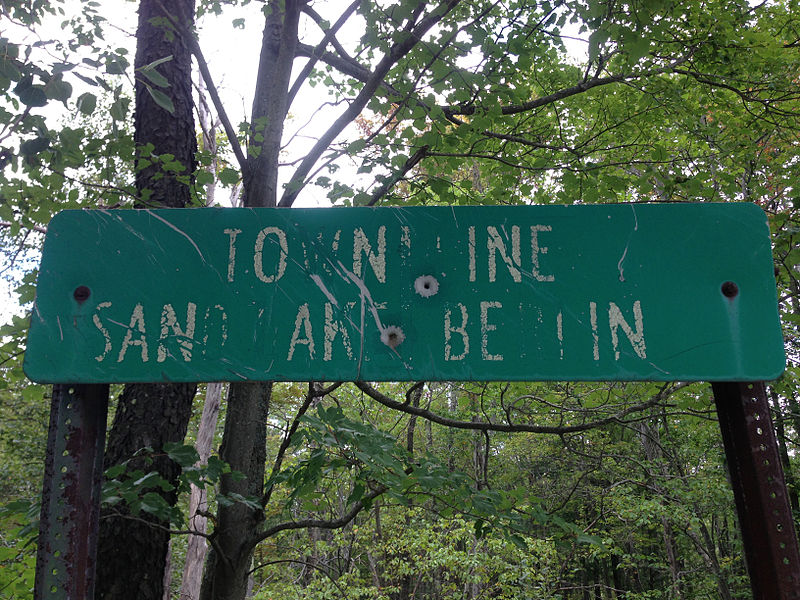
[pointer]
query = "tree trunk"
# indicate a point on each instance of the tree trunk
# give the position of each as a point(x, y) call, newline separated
point(651, 444)
point(244, 439)
point(198, 505)
point(228, 565)
point(132, 554)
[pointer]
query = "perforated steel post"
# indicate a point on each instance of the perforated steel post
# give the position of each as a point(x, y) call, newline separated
point(765, 517)
point(65, 559)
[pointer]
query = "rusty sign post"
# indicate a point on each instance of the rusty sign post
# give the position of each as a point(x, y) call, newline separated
point(604, 292)
point(65, 557)
point(765, 517)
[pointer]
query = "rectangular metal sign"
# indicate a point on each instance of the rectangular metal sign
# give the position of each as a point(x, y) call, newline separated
point(605, 292)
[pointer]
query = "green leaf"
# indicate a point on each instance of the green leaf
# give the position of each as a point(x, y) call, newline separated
point(116, 65)
point(85, 79)
point(203, 178)
point(58, 89)
point(115, 471)
point(228, 176)
point(182, 454)
point(162, 99)
point(150, 72)
point(8, 68)
point(356, 147)
point(154, 504)
point(356, 494)
point(119, 110)
point(31, 95)
point(158, 62)
point(155, 77)
point(86, 103)
point(34, 146)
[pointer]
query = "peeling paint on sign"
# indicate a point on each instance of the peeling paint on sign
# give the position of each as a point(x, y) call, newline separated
point(614, 292)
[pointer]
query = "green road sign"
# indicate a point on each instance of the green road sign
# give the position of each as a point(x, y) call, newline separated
point(608, 292)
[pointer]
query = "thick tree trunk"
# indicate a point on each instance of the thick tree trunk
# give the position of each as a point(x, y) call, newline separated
point(132, 554)
point(243, 446)
point(228, 565)
point(156, 131)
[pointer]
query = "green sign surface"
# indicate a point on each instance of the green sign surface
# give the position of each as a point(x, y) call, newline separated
point(606, 292)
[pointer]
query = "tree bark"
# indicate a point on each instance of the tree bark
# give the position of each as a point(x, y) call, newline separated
point(196, 546)
point(228, 565)
point(132, 553)
point(244, 439)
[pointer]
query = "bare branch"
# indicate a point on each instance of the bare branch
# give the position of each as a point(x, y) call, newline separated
point(583, 86)
point(397, 176)
point(398, 50)
point(212, 90)
point(322, 523)
point(38, 228)
point(312, 394)
point(329, 38)
point(618, 417)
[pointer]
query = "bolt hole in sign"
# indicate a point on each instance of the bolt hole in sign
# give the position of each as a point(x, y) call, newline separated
point(605, 292)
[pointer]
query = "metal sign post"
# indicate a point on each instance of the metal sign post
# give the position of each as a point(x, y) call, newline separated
point(759, 488)
point(65, 557)
point(580, 293)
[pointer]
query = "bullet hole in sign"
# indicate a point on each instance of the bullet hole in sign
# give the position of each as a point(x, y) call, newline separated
point(426, 286)
point(392, 336)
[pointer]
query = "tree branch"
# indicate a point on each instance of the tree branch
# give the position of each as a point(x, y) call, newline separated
point(322, 523)
point(310, 396)
point(374, 81)
point(38, 228)
point(583, 86)
point(212, 90)
point(508, 427)
point(397, 176)
point(330, 37)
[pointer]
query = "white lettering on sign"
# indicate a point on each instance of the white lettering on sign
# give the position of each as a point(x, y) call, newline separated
point(495, 243)
point(303, 320)
point(636, 338)
point(223, 326)
point(136, 332)
point(486, 327)
point(137, 323)
point(461, 330)
point(471, 249)
point(332, 327)
point(258, 258)
point(560, 333)
point(232, 233)
point(169, 320)
point(405, 236)
point(377, 261)
point(508, 247)
point(536, 250)
point(103, 330)
point(340, 305)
